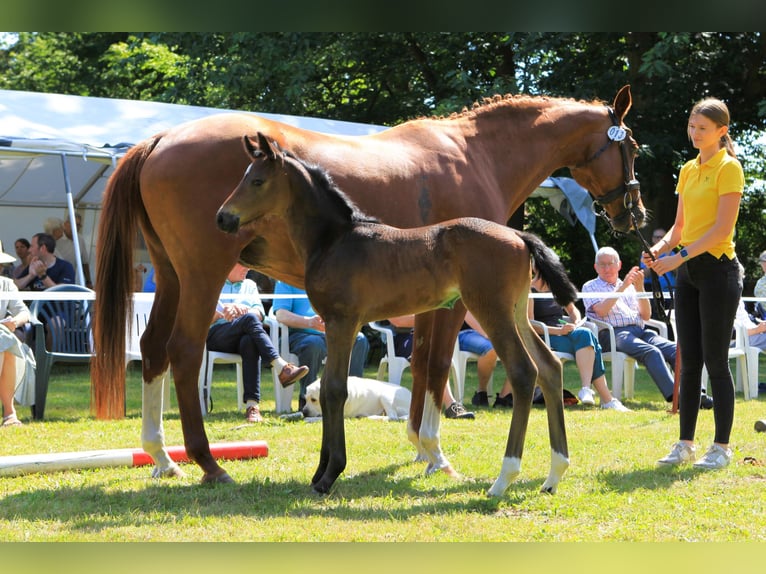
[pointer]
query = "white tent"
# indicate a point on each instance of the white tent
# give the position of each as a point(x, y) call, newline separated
point(57, 152)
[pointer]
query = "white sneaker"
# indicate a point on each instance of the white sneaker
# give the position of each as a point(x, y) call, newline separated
point(716, 457)
point(679, 454)
point(616, 405)
point(586, 396)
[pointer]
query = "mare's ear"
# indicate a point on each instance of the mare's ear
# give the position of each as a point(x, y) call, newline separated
point(622, 102)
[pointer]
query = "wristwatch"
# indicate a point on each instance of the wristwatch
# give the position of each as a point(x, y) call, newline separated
point(43, 277)
point(684, 254)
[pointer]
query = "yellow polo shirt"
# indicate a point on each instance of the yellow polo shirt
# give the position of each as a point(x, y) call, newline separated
point(699, 187)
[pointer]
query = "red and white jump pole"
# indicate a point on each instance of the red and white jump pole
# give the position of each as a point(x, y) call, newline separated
point(51, 462)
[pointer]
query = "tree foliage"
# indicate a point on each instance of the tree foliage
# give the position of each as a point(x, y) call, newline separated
point(388, 78)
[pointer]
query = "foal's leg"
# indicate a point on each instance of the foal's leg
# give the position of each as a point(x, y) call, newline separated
point(550, 379)
point(340, 336)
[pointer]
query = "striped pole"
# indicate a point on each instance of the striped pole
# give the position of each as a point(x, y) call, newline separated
point(51, 462)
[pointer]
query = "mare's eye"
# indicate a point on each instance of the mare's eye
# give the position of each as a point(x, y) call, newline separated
point(257, 182)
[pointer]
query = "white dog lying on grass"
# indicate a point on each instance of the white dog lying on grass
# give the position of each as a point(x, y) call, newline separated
point(366, 398)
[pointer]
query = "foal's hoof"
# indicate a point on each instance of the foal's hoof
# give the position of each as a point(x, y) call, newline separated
point(172, 471)
point(221, 477)
point(548, 489)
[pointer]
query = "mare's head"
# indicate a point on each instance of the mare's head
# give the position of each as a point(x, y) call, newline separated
point(277, 183)
point(607, 168)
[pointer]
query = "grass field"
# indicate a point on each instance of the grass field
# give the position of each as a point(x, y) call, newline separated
point(612, 491)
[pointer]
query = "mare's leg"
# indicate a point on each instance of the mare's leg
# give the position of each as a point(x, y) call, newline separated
point(185, 349)
point(340, 336)
point(155, 373)
point(444, 331)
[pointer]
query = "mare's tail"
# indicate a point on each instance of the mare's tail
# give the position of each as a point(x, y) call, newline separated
point(548, 264)
point(118, 226)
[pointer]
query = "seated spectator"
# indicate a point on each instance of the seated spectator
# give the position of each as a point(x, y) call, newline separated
point(307, 338)
point(237, 328)
point(403, 348)
point(568, 337)
point(15, 366)
point(627, 314)
point(22, 252)
point(65, 247)
point(45, 269)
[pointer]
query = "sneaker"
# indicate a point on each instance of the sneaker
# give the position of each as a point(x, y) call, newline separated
point(253, 414)
point(480, 399)
point(716, 457)
point(505, 402)
point(706, 401)
point(290, 373)
point(760, 425)
point(615, 405)
point(457, 411)
point(680, 454)
point(586, 396)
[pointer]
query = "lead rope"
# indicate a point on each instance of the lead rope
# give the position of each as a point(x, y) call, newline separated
point(659, 307)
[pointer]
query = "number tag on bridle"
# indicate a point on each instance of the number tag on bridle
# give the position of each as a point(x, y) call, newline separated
point(616, 133)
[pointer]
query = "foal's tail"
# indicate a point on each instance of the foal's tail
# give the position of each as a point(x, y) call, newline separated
point(548, 264)
point(122, 207)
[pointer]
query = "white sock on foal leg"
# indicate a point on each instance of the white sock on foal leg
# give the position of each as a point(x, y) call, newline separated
point(152, 431)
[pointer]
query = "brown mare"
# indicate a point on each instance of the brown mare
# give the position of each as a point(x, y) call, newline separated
point(359, 270)
point(483, 162)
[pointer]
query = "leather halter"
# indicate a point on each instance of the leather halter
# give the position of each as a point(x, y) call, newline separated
point(628, 186)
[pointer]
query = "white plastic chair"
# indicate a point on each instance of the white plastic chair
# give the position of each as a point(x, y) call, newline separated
point(458, 368)
point(209, 360)
point(396, 365)
point(390, 361)
point(283, 396)
point(623, 366)
point(746, 376)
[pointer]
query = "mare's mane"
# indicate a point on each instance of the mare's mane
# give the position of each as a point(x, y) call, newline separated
point(517, 100)
point(331, 194)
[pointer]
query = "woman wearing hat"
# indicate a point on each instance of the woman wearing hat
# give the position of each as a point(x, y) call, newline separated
point(13, 364)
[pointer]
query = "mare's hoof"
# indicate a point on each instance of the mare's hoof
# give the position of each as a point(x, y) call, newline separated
point(221, 477)
point(451, 472)
point(548, 490)
point(172, 471)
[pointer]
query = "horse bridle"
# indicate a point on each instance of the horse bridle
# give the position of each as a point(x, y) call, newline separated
point(617, 134)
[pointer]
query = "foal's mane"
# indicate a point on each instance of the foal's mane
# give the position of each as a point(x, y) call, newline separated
point(331, 194)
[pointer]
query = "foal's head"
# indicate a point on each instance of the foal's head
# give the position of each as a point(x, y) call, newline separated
point(275, 182)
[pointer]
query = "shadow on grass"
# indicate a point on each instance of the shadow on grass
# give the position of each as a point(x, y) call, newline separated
point(654, 478)
point(363, 497)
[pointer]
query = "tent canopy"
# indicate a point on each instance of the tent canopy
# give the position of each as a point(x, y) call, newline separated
point(44, 137)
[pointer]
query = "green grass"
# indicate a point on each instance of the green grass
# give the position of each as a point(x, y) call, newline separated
point(612, 491)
